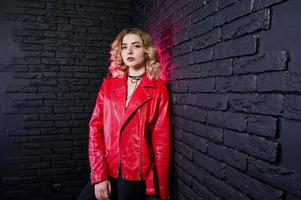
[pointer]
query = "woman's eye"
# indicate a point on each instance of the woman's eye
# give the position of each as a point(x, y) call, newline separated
point(137, 46)
point(123, 47)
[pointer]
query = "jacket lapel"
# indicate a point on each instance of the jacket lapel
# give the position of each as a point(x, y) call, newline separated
point(118, 94)
point(140, 96)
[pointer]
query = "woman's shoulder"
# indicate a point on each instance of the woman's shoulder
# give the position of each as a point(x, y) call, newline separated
point(109, 81)
point(162, 85)
point(109, 77)
point(161, 82)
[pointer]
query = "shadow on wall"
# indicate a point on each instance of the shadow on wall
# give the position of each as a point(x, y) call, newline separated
point(8, 50)
point(8, 47)
point(286, 28)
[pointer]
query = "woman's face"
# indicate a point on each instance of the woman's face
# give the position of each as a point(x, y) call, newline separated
point(132, 51)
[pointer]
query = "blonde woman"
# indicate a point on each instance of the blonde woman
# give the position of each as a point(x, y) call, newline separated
point(129, 131)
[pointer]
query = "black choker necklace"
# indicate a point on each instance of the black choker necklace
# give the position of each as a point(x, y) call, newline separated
point(134, 79)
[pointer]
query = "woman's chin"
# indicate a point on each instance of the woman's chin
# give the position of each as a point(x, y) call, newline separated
point(136, 67)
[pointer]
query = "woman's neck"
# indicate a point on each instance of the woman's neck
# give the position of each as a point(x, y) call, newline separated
point(136, 72)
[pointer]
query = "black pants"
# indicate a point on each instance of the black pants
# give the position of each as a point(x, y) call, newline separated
point(121, 190)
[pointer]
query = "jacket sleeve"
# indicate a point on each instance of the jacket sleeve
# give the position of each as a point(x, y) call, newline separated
point(161, 144)
point(96, 144)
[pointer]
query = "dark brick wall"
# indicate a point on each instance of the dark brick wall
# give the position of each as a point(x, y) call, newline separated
point(54, 54)
point(235, 92)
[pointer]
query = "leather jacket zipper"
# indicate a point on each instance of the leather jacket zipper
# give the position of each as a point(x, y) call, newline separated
point(116, 112)
point(140, 148)
point(119, 162)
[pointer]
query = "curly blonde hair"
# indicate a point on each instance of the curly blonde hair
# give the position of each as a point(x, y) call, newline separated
point(117, 66)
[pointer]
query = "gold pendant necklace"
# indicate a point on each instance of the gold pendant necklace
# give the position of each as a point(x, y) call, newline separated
point(134, 79)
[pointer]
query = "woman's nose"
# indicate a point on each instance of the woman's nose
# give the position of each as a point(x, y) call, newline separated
point(130, 51)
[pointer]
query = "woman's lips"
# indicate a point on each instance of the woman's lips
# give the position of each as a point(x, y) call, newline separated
point(130, 59)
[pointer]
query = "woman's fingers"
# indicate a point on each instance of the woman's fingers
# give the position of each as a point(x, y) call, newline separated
point(97, 195)
point(102, 190)
point(106, 191)
point(105, 194)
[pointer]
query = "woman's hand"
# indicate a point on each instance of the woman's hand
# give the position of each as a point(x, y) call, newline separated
point(103, 190)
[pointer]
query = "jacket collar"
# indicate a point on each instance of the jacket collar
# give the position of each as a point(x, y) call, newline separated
point(141, 95)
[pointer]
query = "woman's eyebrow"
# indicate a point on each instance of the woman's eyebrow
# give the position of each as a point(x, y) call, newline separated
point(132, 43)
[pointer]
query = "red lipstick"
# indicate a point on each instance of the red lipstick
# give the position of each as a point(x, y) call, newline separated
point(130, 59)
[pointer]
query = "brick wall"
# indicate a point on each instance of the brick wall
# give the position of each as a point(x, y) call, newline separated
point(235, 92)
point(53, 56)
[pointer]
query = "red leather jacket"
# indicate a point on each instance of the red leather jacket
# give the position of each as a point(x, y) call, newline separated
point(136, 137)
